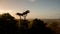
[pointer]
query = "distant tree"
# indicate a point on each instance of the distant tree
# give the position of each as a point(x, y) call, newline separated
point(19, 14)
point(25, 14)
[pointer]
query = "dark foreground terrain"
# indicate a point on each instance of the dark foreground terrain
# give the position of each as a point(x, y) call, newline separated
point(9, 25)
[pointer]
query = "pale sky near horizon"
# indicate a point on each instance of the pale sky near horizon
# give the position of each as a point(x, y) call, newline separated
point(49, 9)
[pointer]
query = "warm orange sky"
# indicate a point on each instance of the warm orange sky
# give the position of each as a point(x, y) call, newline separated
point(49, 9)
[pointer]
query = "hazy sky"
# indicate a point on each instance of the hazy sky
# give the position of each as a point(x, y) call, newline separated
point(38, 8)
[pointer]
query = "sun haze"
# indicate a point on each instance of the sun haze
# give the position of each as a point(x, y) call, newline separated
point(45, 9)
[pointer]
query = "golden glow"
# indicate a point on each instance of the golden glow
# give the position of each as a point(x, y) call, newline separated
point(4, 11)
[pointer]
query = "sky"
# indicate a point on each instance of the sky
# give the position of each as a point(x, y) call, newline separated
point(43, 9)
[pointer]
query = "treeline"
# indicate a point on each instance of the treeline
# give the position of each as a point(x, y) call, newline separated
point(8, 25)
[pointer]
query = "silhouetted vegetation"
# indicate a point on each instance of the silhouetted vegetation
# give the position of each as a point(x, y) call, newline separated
point(39, 27)
point(8, 25)
point(24, 14)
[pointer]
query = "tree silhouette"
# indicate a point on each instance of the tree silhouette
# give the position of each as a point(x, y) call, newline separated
point(20, 14)
point(8, 23)
point(25, 14)
point(24, 26)
point(39, 27)
point(7, 16)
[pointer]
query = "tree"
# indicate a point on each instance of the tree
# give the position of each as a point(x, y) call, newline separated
point(25, 14)
point(20, 14)
point(8, 23)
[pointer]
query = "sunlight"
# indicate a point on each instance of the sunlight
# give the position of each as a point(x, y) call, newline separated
point(5, 11)
point(2, 11)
